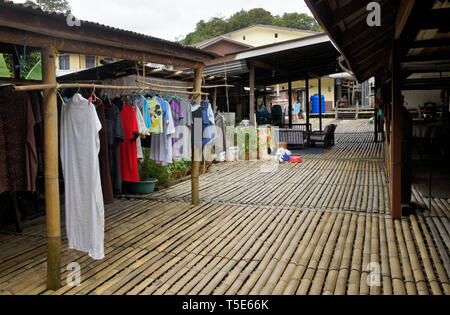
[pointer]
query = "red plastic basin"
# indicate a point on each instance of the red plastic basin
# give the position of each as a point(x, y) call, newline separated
point(296, 159)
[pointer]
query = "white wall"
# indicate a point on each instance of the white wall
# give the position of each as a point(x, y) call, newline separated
point(420, 97)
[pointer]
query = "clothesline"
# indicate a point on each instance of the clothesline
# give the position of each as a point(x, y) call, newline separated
point(183, 87)
point(99, 86)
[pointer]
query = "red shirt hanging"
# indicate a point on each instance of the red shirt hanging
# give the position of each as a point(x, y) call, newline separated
point(128, 149)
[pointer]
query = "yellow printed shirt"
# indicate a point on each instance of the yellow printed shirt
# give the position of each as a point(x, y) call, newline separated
point(156, 114)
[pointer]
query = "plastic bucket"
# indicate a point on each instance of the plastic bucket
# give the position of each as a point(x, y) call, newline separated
point(232, 154)
point(296, 159)
point(287, 158)
point(140, 188)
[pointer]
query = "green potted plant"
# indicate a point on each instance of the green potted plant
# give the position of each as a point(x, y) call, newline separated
point(147, 182)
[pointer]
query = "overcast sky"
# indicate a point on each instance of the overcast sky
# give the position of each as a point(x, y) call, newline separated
point(169, 19)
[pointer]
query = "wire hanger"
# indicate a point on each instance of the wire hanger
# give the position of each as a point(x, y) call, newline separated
point(93, 97)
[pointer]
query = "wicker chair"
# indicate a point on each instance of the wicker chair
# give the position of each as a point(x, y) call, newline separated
point(326, 137)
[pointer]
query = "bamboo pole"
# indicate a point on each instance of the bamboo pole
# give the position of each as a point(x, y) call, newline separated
point(215, 100)
point(184, 87)
point(320, 103)
point(97, 86)
point(252, 94)
point(51, 173)
point(196, 152)
point(307, 108)
point(396, 180)
point(290, 103)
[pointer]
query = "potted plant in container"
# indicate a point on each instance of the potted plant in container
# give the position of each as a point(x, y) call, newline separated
point(147, 183)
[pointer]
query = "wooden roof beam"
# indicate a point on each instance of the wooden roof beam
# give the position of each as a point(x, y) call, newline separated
point(324, 15)
point(334, 7)
point(16, 37)
point(413, 24)
point(439, 42)
point(428, 57)
point(403, 15)
point(437, 18)
point(361, 29)
point(348, 10)
point(57, 27)
point(378, 40)
point(365, 69)
point(263, 65)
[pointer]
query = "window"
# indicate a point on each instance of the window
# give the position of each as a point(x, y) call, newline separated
point(276, 35)
point(243, 38)
point(90, 62)
point(64, 62)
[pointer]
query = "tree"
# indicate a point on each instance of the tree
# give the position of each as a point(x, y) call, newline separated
point(244, 19)
point(298, 20)
point(217, 26)
point(4, 70)
point(31, 62)
point(51, 5)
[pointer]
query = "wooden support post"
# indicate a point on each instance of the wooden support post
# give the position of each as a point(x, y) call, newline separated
point(196, 152)
point(265, 96)
point(215, 101)
point(252, 94)
point(357, 106)
point(16, 71)
point(51, 172)
point(376, 122)
point(448, 100)
point(307, 103)
point(15, 203)
point(396, 143)
point(320, 103)
point(290, 103)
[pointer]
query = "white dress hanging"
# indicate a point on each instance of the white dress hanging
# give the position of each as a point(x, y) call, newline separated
point(80, 146)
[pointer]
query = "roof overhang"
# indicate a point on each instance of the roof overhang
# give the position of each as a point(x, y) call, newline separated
point(311, 57)
point(421, 27)
point(23, 24)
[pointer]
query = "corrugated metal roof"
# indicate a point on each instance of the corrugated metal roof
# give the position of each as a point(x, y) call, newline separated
point(230, 68)
point(63, 16)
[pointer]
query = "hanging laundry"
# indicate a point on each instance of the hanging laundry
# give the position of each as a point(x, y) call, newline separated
point(220, 124)
point(18, 154)
point(157, 117)
point(186, 109)
point(161, 145)
point(177, 113)
point(181, 138)
point(80, 147)
point(105, 170)
point(142, 103)
point(197, 128)
point(128, 149)
point(177, 116)
point(143, 132)
point(209, 124)
point(118, 102)
point(115, 137)
point(38, 111)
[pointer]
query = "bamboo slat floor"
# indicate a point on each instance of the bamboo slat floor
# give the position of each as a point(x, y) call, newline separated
point(310, 228)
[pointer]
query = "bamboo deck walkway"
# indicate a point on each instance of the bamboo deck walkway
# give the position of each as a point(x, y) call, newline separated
point(310, 228)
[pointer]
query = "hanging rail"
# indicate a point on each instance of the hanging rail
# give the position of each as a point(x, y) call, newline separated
point(183, 87)
point(99, 86)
